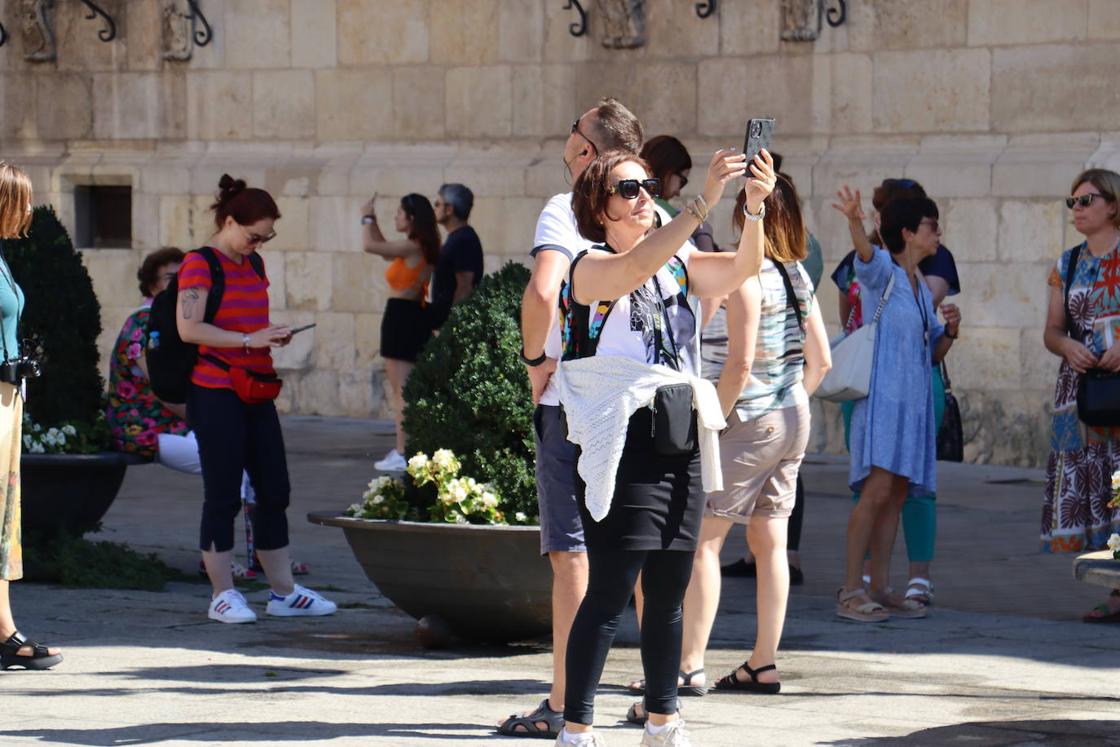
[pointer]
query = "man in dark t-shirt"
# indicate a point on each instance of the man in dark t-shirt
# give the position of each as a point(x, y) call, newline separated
point(459, 269)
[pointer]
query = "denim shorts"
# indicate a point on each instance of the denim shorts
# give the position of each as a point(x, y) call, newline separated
point(561, 528)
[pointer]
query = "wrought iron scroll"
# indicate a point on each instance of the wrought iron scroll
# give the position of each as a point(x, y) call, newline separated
point(3, 35)
point(837, 15)
point(202, 36)
point(706, 8)
point(577, 28)
point(108, 33)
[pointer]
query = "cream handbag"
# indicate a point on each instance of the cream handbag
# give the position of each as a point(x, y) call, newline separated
point(852, 358)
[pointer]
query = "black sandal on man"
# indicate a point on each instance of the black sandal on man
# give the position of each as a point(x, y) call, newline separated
point(40, 658)
point(529, 724)
point(732, 681)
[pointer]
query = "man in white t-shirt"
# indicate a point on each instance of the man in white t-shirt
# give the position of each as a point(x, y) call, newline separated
point(607, 126)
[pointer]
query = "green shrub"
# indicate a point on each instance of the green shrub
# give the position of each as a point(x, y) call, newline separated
point(469, 393)
point(61, 322)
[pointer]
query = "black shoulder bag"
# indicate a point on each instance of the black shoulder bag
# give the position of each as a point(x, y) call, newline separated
point(1098, 391)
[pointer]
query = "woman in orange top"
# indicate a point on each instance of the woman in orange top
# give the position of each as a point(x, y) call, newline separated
point(404, 326)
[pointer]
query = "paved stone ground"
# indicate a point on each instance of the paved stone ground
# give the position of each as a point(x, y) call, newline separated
point(1002, 660)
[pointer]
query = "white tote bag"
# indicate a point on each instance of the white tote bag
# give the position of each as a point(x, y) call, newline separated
point(852, 358)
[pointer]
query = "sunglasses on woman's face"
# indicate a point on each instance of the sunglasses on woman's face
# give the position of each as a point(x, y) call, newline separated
point(684, 180)
point(628, 188)
point(1084, 200)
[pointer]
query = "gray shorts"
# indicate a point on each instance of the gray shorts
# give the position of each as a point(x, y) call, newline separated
point(561, 528)
point(760, 459)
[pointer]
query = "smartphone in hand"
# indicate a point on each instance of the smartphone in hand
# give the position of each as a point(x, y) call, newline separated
point(301, 329)
point(759, 133)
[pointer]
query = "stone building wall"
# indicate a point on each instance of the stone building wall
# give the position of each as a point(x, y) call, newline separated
point(994, 105)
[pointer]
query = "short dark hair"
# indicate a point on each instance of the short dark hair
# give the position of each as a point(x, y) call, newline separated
point(892, 189)
point(148, 274)
point(591, 192)
point(459, 197)
point(246, 205)
point(908, 213)
point(615, 127)
point(666, 156)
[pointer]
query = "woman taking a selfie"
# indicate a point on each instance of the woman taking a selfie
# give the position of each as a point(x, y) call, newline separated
point(15, 218)
point(233, 419)
point(644, 419)
point(404, 327)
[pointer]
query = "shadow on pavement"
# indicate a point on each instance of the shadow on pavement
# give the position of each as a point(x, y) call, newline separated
point(1059, 733)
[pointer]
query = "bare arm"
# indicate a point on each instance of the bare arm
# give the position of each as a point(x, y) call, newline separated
point(708, 309)
point(464, 284)
point(1057, 339)
point(538, 313)
point(719, 274)
point(374, 242)
point(188, 320)
point(818, 355)
point(849, 205)
point(601, 275)
point(744, 306)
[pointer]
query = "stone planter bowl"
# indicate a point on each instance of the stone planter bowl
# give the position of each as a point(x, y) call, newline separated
point(69, 493)
point(490, 583)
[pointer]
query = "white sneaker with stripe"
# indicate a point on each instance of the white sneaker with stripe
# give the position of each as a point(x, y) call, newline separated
point(302, 602)
point(231, 607)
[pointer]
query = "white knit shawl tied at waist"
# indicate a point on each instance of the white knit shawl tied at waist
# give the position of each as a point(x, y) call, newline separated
point(600, 393)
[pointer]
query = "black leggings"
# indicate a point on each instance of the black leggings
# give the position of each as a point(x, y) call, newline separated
point(793, 533)
point(235, 437)
point(665, 575)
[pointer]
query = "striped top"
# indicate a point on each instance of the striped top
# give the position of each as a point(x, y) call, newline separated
point(779, 357)
point(244, 308)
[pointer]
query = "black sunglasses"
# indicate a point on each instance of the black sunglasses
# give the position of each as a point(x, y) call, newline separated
point(577, 131)
point(1084, 200)
point(684, 180)
point(628, 188)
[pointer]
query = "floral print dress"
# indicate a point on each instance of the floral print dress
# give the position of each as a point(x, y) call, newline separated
point(136, 418)
point(1075, 512)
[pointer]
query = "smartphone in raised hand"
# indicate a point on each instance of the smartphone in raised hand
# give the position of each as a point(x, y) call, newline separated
point(296, 330)
point(759, 132)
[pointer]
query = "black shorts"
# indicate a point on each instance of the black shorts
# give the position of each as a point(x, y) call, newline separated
point(404, 330)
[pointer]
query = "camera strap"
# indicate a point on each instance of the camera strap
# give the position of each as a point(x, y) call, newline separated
point(7, 273)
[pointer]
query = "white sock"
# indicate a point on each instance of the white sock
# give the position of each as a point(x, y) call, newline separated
point(655, 730)
point(582, 738)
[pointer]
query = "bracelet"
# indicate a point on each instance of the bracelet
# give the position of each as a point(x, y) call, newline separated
point(755, 216)
point(534, 362)
point(368, 219)
point(245, 342)
point(693, 212)
point(952, 337)
point(698, 208)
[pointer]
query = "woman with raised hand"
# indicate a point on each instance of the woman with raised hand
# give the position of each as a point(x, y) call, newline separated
point(404, 327)
point(239, 431)
point(16, 650)
point(893, 440)
point(643, 418)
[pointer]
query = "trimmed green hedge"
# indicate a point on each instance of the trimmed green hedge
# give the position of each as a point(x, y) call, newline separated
point(469, 393)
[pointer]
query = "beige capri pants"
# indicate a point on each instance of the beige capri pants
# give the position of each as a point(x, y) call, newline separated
point(760, 459)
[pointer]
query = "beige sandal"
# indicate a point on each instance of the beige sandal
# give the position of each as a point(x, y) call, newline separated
point(901, 607)
point(857, 606)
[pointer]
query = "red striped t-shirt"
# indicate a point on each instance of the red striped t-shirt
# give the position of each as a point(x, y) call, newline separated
point(244, 308)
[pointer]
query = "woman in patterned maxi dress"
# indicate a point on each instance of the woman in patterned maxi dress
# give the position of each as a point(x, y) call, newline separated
point(1076, 515)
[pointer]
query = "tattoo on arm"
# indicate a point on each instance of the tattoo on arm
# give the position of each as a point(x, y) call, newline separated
point(190, 299)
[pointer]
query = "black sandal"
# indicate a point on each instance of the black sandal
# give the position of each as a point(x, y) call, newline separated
point(685, 689)
point(640, 719)
point(529, 724)
point(731, 682)
point(40, 658)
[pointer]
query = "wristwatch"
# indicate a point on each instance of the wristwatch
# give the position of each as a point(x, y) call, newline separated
point(368, 219)
point(245, 342)
point(534, 362)
point(752, 216)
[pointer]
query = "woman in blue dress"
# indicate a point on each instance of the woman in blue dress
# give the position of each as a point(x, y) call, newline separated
point(893, 440)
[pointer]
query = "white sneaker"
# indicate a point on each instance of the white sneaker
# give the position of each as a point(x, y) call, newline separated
point(592, 739)
point(394, 461)
point(300, 603)
point(673, 736)
point(231, 607)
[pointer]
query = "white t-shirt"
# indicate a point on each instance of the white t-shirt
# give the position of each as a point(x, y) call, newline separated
point(557, 231)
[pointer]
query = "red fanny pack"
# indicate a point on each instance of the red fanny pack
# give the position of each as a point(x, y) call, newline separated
point(251, 387)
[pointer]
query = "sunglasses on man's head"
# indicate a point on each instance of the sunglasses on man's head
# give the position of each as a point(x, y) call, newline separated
point(628, 188)
point(1084, 200)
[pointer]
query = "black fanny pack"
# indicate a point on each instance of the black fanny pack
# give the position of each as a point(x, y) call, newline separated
point(673, 421)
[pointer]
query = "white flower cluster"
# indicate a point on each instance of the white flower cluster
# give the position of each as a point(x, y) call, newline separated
point(383, 499)
point(53, 440)
point(1116, 481)
point(1114, 545)
point(467, 490)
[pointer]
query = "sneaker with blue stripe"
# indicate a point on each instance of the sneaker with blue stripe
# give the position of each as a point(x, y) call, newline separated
point(231, 607)
point(302, 602)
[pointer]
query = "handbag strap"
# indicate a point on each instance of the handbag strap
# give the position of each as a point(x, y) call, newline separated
point(945, 378)
point(883, 300)
point(1071, 269)
point(791, 296)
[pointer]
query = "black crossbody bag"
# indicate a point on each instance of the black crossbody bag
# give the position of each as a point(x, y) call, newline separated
point(1098, 391)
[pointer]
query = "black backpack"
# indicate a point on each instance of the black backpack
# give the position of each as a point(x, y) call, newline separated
point(170, 360)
